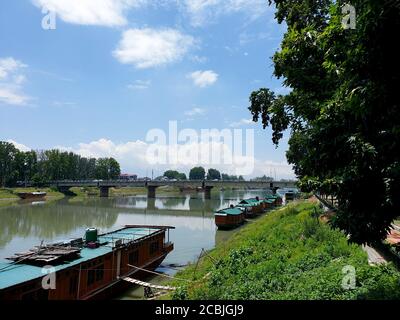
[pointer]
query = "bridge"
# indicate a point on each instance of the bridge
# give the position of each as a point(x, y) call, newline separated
point(204, 185)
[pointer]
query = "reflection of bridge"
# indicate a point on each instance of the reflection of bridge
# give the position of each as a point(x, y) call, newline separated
point(151, 186)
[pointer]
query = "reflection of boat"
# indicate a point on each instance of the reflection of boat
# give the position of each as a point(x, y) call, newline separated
point(88, 268)
point(229, 218)
point(38, 203)
point(32, 195)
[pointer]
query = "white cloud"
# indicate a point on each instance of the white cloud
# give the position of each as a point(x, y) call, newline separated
point(20, 146)
point(195, 112)
point(11, 80)
point(9, 66)
point(146, 48)
point(242, 122)
point(108, 13)
point(203, 12)
point(203, 78)
point(140, 85)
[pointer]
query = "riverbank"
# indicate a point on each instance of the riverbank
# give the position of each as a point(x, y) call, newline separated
point(287, 254)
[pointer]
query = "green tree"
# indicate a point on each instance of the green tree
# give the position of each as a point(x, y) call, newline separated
point(171, 174)
point(8, 168)
point(342, 108)
point(107, 169)
point(263, 178)
point(197, 173)
point(182, 176)
point(213, 174)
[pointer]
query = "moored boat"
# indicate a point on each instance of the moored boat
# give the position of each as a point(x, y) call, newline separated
point(275, 198)
point(252, 207)
point(229, 218)
point(268, 203)
point(32, 195)
point(90, 268)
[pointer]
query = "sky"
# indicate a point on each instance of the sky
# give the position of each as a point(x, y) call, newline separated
point(97, 76)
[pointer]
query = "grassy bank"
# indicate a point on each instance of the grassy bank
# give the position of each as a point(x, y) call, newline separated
point(288, 254)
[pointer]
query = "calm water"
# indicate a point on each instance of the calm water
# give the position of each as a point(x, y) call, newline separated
point(26, 225)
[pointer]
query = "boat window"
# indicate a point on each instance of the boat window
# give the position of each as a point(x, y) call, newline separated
point(91, 277)
point(73, 285)
point(100, 272)
point(154, 247)
point(134, 257)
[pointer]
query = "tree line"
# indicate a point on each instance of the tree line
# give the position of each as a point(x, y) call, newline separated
point(199, 173)
point(43, 166)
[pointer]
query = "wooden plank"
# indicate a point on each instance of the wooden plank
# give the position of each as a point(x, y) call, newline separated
point(148, 285)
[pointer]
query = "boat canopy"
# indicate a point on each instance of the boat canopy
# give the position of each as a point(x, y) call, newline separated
point(249, 202)
point(230, 211)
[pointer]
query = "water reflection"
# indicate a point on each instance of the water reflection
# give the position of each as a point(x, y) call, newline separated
point(47, 221)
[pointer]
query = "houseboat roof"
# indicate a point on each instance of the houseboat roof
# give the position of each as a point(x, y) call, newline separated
point(252, 201)
point(12, 273)
point(273, 196)
point(230, 211)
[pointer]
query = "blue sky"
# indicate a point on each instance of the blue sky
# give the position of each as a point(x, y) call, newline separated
point(114, 69)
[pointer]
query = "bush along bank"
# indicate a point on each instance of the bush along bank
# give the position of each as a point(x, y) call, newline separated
point(289, 254)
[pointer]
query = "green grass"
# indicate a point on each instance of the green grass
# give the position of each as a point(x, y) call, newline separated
point(287, 254)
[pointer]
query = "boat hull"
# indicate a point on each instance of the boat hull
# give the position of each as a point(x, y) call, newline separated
point(226, 222)
point(32, 196)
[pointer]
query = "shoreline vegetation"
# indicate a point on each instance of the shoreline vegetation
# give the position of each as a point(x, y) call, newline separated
point(289, 254)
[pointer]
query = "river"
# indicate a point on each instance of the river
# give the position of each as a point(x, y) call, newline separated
point(26, 225)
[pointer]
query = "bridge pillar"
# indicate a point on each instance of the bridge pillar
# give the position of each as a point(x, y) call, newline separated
point(151, 192)
point(104, 192)
point(207, 192)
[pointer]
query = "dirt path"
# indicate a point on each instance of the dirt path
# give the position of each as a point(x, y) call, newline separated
point(374, 257)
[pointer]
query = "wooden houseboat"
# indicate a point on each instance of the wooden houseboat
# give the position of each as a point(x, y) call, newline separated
point(252, 207)
point(229, 218)
point(32, 195)
point(268, 203)
point(275, 198)
point(96, 267)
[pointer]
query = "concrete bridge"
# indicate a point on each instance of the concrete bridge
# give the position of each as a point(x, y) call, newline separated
point(204, 185)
